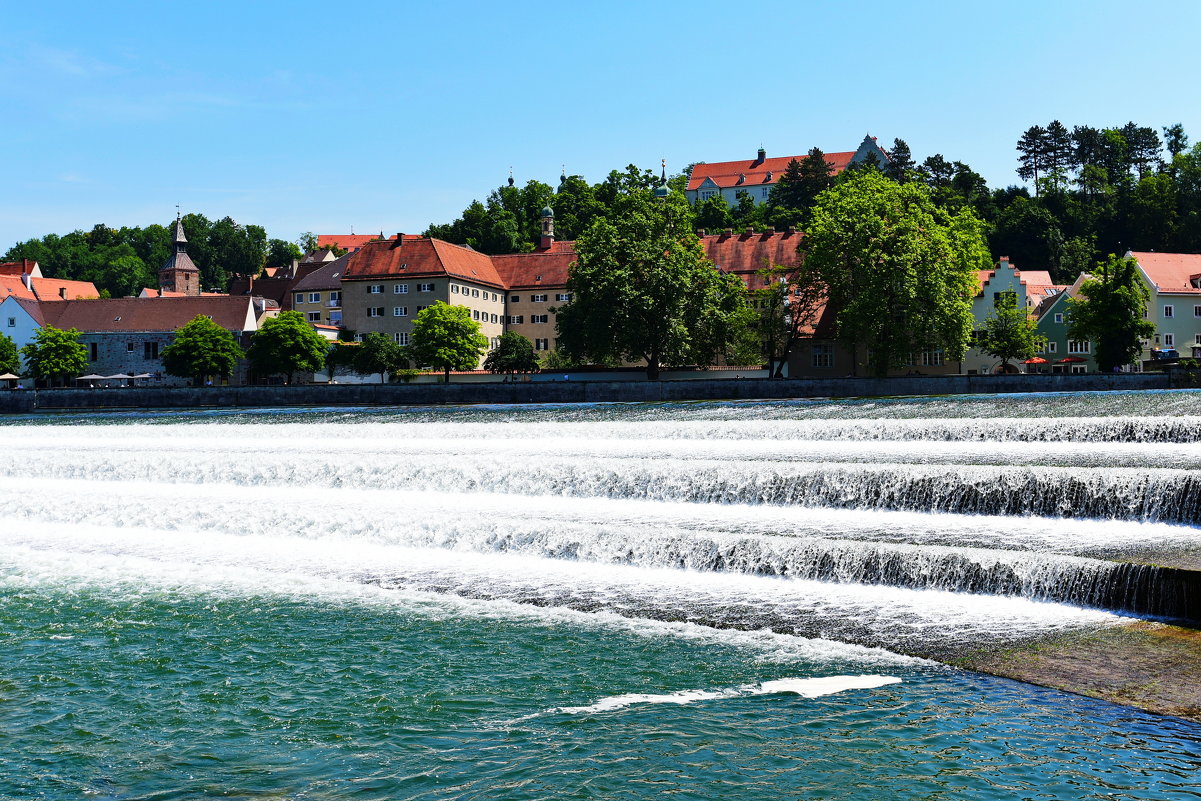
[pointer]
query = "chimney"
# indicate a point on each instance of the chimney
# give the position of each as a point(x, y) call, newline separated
point(399, 240)
point(791, 230)
point(728, 232)
point(62, 293)
point(762, 156)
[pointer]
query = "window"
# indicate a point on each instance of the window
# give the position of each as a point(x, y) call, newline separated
point(495, 297)
point(1169, 311)
point(12, 322)
point(335, 318)
point(425, 287)
point(401, 338)
point(1052, 347)
point(763, 192)
point(706, 194)
point(1198, 339)
point(823, 355)
point(515, 319)
point(314, 297)
point(495, 318)
point(95, 351)
point(1059, 317)
point(420, 309)
point(563, 298)
point(932, 358)
point(400, 289)
point(1169, 340)
point(375, 311)
point(335, 298)
point(314, 317)
point(1078, 369)
point(541, 344)
point(1078, 347)
point(299, 298)
point(539, 318)
point(375, 289)
point(517, 299)
point(538, 298)
point(454, 289)
point(129, 347)
point(475, 314)
point(400, 311)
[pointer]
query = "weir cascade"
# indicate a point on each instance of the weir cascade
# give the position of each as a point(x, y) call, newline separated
point(444, 602)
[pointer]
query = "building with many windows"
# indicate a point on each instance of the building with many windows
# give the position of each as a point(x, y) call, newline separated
point(386, 282)
point(1174, 281)
point(756, 177)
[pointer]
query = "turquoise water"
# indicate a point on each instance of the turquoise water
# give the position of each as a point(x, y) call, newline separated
point(336, 604)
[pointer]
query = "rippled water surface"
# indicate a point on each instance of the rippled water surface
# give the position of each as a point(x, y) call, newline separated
point(616, 601)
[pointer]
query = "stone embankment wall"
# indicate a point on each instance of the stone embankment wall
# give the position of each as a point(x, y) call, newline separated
point(24, 401)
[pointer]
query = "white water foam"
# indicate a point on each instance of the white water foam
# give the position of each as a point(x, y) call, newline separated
point(805, 687)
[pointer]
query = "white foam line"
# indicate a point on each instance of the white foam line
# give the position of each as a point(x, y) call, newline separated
point(806, 688)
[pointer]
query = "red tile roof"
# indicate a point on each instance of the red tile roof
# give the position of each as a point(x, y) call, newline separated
point(746, 254)
point(148, 314)
point(54, 289)
point(21, 267)
point(726, 174)
point(542, 268)
point(1172, 272)
point(11, 285)
point(420, 257)
point(346, 241)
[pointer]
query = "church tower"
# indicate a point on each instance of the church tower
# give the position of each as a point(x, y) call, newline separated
point(179, 273)
point(548, 229)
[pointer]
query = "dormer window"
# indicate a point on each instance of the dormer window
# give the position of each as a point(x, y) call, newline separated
point(767, 178)
point(741, 178)
point(116, 319)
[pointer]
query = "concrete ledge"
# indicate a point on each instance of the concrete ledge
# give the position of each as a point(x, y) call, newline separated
point(25, 401)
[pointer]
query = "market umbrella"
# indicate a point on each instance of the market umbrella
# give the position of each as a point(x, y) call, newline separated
point(9, 377)
point(1072, 360)
point(1036, 360)
point(92, 377)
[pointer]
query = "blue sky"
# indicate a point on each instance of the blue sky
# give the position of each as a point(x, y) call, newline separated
point(306, 116)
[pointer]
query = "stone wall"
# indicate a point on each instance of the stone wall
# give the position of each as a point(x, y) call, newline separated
point(560, 392)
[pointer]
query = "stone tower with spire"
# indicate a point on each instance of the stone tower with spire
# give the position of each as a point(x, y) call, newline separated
point(179, 273)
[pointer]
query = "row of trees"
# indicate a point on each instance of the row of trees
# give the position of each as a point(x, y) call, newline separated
point(121, 261)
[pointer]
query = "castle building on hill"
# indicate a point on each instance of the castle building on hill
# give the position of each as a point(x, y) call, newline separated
point(757, 177)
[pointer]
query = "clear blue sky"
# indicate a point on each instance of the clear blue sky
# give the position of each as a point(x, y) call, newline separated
point(306, 116)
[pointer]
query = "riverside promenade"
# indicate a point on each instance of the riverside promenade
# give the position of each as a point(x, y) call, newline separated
point(565, 391)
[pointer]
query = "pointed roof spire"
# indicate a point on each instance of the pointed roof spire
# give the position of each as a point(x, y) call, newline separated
point(563, 173)
point(661, 191)
point(510, 176)
point(180, 239)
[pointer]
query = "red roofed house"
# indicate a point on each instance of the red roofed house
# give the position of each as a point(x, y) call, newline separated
point(758, 176)
point(1175, 306)
point(127, 335)
point(537, 283)
point(386, 282)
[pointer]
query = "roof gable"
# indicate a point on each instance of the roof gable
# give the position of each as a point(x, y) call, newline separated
point(149, 314)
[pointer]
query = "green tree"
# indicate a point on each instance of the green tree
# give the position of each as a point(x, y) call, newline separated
point(280, 253)
point(201, 350)
point(287, 345)
point(1009, 331)
point(713, 214)
point(1109, 312)
point(54, 354)
point(513, 354)
point(10, 358)
point(900, 166)
point(642, 289)
point(378, 354)
point(786, 306)
point(900, 270)
point(446, 338)
point(307, 242)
